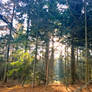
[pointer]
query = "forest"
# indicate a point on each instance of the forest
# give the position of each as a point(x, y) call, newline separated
point(45, 45)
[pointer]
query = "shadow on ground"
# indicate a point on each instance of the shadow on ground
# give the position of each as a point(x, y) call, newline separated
point(55, 87)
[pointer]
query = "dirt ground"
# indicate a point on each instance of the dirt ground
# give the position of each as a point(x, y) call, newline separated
point(50, 88)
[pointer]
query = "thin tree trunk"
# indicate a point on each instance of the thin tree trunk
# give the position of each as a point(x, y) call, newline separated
point(86, 45)
point(77, 57)
point(8, 46)
point(72, 61)
point(77, 63)
point(47, 59)
point(65, 66)
point(27, 32)
point(51, 63)
point(35, 61)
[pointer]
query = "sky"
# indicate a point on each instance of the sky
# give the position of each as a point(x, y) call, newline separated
point(4, 0)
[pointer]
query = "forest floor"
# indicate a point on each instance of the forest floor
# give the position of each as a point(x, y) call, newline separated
point(55, 87)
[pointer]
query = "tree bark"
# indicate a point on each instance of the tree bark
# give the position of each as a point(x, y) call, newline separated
point(8, 46)
point(65, 69)
point(27, 32)
point(35, 61)
point(47, 59)
point(72, 61)
point(86, 46)
point(51, 63)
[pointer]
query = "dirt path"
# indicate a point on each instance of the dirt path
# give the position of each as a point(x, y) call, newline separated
point(49, 88)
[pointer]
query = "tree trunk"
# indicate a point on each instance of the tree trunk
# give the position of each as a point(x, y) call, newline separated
point(35, 61)
point(77, 63)
point(51, 63)
point(27, 32)
point(86, 46)
point(72, 61)
point(8, 46)
point(77, 58)
point(65, 69)
point(47, 59)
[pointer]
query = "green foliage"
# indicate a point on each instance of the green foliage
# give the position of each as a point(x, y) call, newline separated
point(21, 67)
